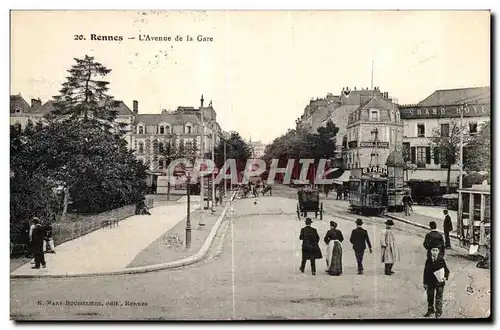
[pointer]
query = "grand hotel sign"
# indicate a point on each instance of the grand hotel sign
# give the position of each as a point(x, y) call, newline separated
point(476, 110)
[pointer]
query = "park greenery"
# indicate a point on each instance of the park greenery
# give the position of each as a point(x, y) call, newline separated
point(75, 156)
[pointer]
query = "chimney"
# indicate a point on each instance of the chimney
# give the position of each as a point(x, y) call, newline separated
point(36, 104)
point(136, 107)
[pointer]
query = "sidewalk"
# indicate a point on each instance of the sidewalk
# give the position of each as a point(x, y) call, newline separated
point(108, 250)
point(422, 215)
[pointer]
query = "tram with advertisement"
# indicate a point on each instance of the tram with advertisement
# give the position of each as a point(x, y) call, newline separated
point(368, 190)
point(474, 219)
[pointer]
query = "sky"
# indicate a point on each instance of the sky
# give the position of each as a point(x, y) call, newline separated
point(262, 67)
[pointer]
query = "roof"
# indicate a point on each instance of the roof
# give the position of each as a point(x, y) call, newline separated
point(170, 118)
point(17, 102)
point(457, 96)
point(378, 103)
point(121, 108)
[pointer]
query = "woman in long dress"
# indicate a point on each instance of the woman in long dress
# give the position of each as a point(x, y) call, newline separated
point(334, 239)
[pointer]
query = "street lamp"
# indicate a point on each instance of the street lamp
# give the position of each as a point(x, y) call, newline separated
point(188, 219)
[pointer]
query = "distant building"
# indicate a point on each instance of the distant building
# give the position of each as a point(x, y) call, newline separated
point(374, 130)
point(337, 109)
point(438, 112)
point(258, 149)
point(21, 112)
point(152, 133)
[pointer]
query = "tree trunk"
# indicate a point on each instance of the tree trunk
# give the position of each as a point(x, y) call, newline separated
point(168, 188)
point(448, 174)
point(65, 204)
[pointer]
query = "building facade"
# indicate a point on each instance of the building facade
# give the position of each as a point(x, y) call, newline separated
point(374, 130)
point(337, 108)
point(436, 115)
point(258, 149)
point(155, 135)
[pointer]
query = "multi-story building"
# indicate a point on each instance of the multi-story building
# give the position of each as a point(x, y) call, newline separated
point(258, 149)
point(152, 133)
point(21, 112)
point(337, 108)
point(374, 129)
point(436, 115)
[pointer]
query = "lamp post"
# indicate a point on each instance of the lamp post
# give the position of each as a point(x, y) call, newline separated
point(202, 154)
point(188, 219)
point(213, 171)
point(225, 183)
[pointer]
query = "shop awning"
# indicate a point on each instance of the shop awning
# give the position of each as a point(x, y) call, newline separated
point(343, 178)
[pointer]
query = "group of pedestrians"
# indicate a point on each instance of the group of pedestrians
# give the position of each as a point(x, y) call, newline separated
point(333, 239)
point(436, 272)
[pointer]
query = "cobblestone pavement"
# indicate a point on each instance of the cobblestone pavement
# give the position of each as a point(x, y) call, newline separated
point(252, 273)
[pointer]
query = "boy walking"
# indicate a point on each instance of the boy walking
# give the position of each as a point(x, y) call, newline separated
point(434, 285)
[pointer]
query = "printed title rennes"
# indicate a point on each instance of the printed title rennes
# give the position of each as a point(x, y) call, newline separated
point(147, 37)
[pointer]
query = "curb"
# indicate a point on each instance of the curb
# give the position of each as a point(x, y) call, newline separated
point(416, 224)
point(198, 256)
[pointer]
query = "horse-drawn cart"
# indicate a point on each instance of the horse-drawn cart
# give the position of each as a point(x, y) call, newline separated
point(309, 202)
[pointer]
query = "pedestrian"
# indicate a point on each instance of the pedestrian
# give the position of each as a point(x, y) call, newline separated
point(49, 240)
point(434, 283)
point(37, 239)
point(310, 247)
point(339, 193)
point(434, 239)
point(334, 239)
point(359, 240)
point(447, 228)
point(407, 202)
point(390, 252)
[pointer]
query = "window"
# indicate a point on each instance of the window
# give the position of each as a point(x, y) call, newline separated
point(141, 148)
point(188, 145)
point(168, 130)
point(162, 129)
point(188, 130)
point(374, 115)
point(140, 129)
point(397, 116)
point(436, 155)
point(420, 155)
point(161, 149)
point(420, 130)
point(160, 164)
point(473, 128)
point(445, 130)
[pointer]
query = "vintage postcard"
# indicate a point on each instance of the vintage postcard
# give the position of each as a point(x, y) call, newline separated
point(250, 165)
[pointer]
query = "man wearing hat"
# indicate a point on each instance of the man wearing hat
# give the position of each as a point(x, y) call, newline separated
point(37, 239)
point(390, 252)
point(434, 239)
point(359, 240)
point(310, 246)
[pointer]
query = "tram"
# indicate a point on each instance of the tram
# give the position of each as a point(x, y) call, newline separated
point(368, 191)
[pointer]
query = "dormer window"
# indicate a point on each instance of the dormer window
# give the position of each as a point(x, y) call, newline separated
point(187, 129)
point(374, 115)
point(162, 129)
point(140, 129)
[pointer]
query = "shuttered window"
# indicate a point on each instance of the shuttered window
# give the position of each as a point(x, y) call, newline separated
point(436, 155)
point(413, 155)
point(427, 155)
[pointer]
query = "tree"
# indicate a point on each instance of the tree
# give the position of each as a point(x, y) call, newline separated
point(477, 151)
point(84, 97)
point(447, 147)
point(236, 148)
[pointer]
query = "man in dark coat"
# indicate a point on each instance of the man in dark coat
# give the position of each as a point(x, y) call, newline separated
point(310, 246)
point(434, 239)
point(37, 239)
point(447, 228)
point(359, 240)
point(432, 285)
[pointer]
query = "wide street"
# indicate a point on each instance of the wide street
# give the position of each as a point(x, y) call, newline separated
point(252, 273)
